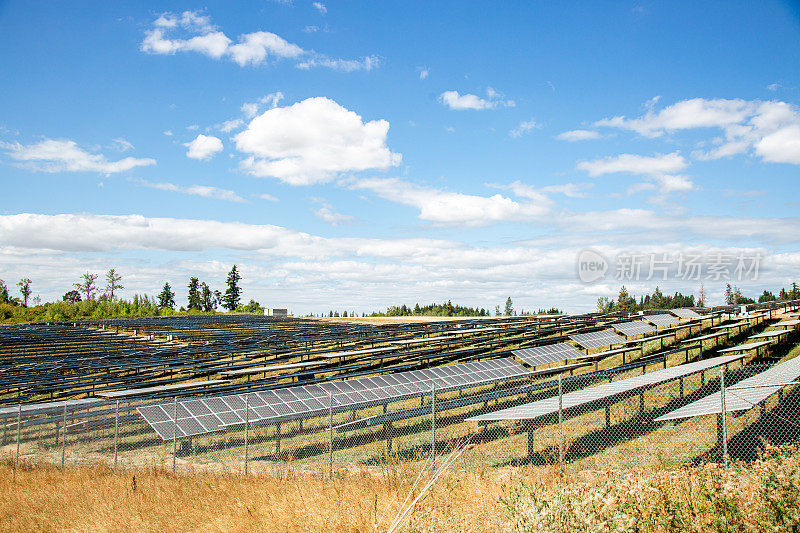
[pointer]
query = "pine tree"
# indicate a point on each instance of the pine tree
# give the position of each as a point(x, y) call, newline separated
point(87, 286)
point(194, 293)
point(728, 295)
point(208, 298)
point(230, 300)
point(113, 283)
point(166, 299)
point(509, 310)
point(25, 289)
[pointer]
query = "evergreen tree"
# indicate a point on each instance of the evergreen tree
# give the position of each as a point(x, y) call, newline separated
point(166, 299)
point(728, 294)
point(87, 286)
point(4, 296)
point(233, 293)
point(25, 290)
point(625, 302)
point(509, 310)
point(113, 283)
point(208, 299)
point(194, 294)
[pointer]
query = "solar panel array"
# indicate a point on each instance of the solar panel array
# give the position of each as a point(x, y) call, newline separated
point(636, 327)
point(205, 415)
point(550, 353)
point(663, 320)
point(685, 313)
point(744, 347)
point(744, 395)
point(597, 339)
point(584, 396)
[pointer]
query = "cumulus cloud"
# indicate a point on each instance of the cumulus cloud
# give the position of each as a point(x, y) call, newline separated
point(203, 147)
point(767, 129)
point(195, 190)
point(52, 156)
point(446, 207)
point(460, 102)
point(197, 34)
point(312, 141)
point(578, 135)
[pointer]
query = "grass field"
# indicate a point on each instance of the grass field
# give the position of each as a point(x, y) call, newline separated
point(760, 496)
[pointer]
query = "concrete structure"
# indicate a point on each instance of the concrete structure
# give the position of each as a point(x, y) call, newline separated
point(276, 312)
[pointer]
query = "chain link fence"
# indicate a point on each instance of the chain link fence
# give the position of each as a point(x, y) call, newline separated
point(419, 430)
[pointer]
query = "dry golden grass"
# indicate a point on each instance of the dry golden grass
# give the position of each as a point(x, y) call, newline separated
point(46, 498)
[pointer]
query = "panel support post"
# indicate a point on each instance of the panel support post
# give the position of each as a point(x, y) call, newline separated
point(19, 426)
point(723, 420)
point(433, 423)
point(116, 432)
point(174, 433)
point(560, 424)
point(529, 423)
point(246, 431)
point(64, 436)
point(681, 385)
point(608, 416)
point(330, 435)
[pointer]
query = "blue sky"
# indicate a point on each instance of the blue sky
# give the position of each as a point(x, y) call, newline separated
point(354, 156)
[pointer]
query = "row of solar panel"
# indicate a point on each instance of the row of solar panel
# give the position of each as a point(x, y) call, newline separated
point(204, 415)
point(606, 390)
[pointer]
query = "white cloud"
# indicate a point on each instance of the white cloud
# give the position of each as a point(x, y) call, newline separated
point(230, 125)
point(312, 141)
point(460, 102)
point(635, 164)
point(203, 147)
point(524, 127)
point(578, 135)
point(195, 190)
point(267, 197)
point(168, 133)
point(326, 213)
point(773, 87)
point(121, 145)
point(52, 155)
point(320, 7)
point(255, 48)
point(781, 146)
point(768, 129)
point(311, 29)
point(445, 207)
point(345, 65)
point(424, 72)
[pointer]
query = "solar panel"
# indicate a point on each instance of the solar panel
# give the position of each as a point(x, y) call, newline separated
point(580, 397)
point(309, 400)
point(636, 327)
point(539, 355)
point(745, 347)
point(769, 334)
point(662, 320)
point(597, 339)
point(685, 313)
point(744, 395)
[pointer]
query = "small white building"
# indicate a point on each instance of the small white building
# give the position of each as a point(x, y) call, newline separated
point(276, 312)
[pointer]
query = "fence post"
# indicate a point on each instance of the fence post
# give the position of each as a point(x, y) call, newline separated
point(330, 435)
point(19, 425)
point(116, 432)
point(560, 424)
point(433, 423)
point(174, 432)
point(64, 436)
point(246, 430)
point(724, 418)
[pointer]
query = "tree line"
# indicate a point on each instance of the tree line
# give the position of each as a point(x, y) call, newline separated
point(627, 303)
point(88, 299)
